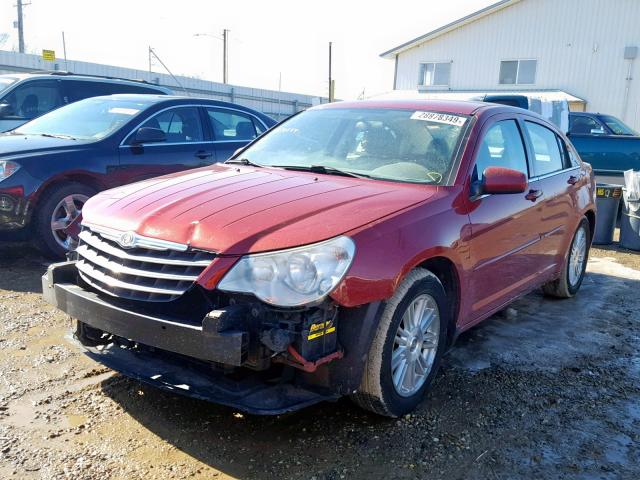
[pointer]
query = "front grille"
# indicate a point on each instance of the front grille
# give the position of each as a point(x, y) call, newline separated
point(152, 271)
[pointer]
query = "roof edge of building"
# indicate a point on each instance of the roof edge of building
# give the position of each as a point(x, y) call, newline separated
point(472, 17)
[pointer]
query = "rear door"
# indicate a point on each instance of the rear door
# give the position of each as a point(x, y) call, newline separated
point(231, 129)
point(558, 178)
point(186, 145)
point(505, 228)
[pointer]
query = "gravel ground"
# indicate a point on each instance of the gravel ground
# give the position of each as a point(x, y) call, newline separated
point(546, 389)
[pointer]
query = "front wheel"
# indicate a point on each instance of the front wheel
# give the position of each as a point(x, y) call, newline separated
point(59, 207)
point(568, 284)
point(405, 353)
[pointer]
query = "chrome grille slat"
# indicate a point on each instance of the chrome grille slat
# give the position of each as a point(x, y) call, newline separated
point(140, 273)
point(95, 241)
point(88, 270)
point(104, 262)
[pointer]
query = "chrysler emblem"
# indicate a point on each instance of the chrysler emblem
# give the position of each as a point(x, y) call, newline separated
point(127, 239)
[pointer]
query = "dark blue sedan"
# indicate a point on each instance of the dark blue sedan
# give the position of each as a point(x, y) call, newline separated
point(50, 166)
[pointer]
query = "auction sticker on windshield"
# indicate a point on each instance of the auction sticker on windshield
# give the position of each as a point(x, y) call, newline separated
point(123, 111)
point(439, 118)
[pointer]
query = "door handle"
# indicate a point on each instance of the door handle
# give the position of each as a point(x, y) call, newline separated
point(533, 195)
point(202, 154)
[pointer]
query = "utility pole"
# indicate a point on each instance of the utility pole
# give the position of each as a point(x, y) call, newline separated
point(64, 48)
point(330, 79)
point(225, 56)
point(20, 26)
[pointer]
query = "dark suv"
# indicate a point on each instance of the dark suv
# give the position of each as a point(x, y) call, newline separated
point(50, 166)
point(26, 96)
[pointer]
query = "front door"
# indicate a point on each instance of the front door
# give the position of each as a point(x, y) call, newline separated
point(185, 146)
point(504, 228)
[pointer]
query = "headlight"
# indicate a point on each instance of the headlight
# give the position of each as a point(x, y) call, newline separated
point(7, 169)
point(293, 277)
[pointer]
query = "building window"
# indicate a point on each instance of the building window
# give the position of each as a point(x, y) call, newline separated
point(519, 72)
point(434, 74)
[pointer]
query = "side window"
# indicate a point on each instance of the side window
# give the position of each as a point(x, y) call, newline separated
point(231, 125)
point(79, 90)
point(114, 88)
point(181, 124)
point(32, 99)
point(547, 155)
point(501, 147)
point(260, 129)
point(582, 125)
point(567, 161)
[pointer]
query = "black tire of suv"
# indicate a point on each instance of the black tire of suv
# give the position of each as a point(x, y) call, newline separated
point(561, 288)
point(377, 392)
point(43, 236)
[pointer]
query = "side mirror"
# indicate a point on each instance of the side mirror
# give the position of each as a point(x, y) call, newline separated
point(149, 135)
point(6, 110)
point(597, 131)
point(499, 180)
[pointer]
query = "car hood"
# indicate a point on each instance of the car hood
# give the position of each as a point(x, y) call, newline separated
point(22, 145)
point(236, 210)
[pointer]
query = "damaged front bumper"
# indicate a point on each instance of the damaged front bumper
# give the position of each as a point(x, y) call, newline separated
point(177, 356)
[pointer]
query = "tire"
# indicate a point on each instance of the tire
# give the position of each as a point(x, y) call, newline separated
point(568, 284)
point(378, 391)
point(48, 241)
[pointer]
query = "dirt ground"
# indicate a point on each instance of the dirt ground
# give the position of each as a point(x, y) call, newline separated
point(546, 389)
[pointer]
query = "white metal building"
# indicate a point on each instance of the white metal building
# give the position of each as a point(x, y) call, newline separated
point(589, 49)
point(277, 104)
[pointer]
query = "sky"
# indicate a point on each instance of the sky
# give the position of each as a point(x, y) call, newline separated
point(268, 40)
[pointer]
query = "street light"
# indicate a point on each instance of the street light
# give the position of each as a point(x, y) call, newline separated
point(225, 36)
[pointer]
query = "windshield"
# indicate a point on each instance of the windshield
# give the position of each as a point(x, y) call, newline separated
point(617, 126)
point(90, 119)
point(6, 82)
point(399, 145)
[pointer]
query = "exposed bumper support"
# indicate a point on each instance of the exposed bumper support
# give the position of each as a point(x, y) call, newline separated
point(190, 340)
point(160, 366)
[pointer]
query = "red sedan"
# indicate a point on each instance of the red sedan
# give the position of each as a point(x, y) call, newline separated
point(339, 254)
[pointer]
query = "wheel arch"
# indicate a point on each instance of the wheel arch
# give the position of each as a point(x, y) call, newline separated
point(591, 217)
point(82, 178)
point(447, 273)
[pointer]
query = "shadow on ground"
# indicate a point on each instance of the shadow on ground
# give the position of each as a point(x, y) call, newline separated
point(21, 267)
point(546, 390)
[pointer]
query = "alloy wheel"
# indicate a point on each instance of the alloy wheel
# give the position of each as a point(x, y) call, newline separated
point(577, 257)
point(65, 212)
point(415, 345)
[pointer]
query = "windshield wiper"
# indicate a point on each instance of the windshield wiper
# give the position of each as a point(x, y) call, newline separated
point(242, 161)
point(322, 170)
point(57, 135)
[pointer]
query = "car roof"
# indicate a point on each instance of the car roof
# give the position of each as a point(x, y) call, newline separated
point(59, 75)
point(151, 99)
point(445, 106)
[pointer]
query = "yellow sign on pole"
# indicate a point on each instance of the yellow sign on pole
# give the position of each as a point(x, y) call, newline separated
point(49, 55)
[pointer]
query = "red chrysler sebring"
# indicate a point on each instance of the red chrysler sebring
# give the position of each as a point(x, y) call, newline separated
point(339, 254)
